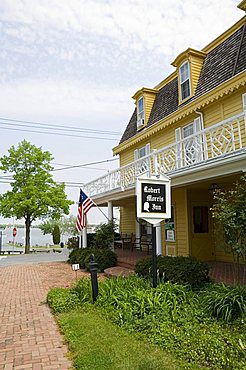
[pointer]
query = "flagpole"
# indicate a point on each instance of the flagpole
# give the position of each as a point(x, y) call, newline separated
point(102, 212)
point(84, 231)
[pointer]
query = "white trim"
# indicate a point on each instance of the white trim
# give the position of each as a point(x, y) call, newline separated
point(244, 101)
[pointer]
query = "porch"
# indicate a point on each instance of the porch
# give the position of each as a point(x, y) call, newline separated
point(224, 272)
point(218, 149)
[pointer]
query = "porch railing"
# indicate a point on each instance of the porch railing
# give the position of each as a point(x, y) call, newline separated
point(224, 138)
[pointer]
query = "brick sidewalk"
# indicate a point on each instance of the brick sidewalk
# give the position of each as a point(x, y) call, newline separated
point(29, 337)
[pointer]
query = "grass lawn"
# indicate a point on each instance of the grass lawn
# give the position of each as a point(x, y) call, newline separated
point(98, 344)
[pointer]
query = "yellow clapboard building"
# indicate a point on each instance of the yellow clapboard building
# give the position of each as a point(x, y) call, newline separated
point(192, 128)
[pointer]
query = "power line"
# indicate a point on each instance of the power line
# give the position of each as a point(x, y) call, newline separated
point(59, 134)
point(84, 165)
point(70, 128)
point(67, 167)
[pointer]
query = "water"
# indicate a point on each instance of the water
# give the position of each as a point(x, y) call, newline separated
point(37, 237)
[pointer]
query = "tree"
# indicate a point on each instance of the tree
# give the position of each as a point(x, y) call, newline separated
point(56, 234)
point(34, 194)
point(66, 225)
point(229, 210)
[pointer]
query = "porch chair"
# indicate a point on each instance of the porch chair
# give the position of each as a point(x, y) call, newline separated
point(143, 243)
point(124, 240)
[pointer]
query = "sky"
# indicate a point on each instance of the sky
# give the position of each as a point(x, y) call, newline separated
point(77, 63)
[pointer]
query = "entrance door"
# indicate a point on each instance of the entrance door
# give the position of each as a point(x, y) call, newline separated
point(201, 233)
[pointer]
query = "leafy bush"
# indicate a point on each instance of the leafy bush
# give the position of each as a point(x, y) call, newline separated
point(73, 242)
point(181, 270)
point(79, 255)
point(104, 236)
point(62, 300)
point(91, 240)
point(103, 257)
point(225, 302)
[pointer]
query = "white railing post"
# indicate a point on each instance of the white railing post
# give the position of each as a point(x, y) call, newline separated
point(155, 162)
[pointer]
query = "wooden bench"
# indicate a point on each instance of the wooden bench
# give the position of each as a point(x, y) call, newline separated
point(11, 252)
point(39, 250)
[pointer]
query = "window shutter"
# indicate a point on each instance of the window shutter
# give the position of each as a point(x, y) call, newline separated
point(178, 148)
point(244, 102)
point(147, 149)
point(135, 154)
point(200, 140)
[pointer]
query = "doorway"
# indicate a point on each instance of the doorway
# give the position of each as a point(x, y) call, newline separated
point(201, 231)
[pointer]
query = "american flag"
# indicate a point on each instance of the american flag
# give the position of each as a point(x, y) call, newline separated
point(85, 204)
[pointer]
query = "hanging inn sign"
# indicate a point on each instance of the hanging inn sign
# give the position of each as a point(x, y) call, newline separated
point(153, 198)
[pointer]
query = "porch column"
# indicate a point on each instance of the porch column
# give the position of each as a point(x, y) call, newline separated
point(158, 239)
point(84, 235)
point(138, 230)
point(110, 211)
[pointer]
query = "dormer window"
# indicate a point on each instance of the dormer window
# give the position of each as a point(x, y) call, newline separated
point(140, 112)
point(185, 80)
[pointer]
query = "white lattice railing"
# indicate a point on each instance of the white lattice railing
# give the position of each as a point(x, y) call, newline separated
point(221, 139)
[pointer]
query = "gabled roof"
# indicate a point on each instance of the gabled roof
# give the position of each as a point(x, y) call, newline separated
point(221, 63)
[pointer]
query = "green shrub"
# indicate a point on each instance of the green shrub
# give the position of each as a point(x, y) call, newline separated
point(79, 256)
point(56, 234)
point(104, 236)
point(82, 289)
point(103, 257)
point(73, 242)
point(180, 270)
point(225, 302)
point(91, 240)
point(62, 300)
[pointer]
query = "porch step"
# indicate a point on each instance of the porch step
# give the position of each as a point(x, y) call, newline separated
point(118, 271)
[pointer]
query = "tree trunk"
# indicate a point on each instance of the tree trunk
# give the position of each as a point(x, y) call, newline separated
point(28, 226)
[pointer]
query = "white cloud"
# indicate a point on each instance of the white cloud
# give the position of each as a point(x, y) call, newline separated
point(159, 26)
point(66, 98)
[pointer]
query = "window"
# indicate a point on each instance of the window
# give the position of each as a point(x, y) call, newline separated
point(188, 130)
point(185, 80)
point(141, 152)
point(140, 112)
point(142, 165)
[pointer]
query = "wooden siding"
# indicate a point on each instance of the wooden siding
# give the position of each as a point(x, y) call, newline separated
point(128, 217)
point(148, 104)
point(179, 200)
point(195, 69)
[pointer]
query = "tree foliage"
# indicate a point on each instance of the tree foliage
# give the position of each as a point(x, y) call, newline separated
point(34, 194)
point(229, 210)
point(104, 236)
point(56, 234)
point(66, 225)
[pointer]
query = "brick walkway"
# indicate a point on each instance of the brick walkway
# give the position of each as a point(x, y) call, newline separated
point(29, 338)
